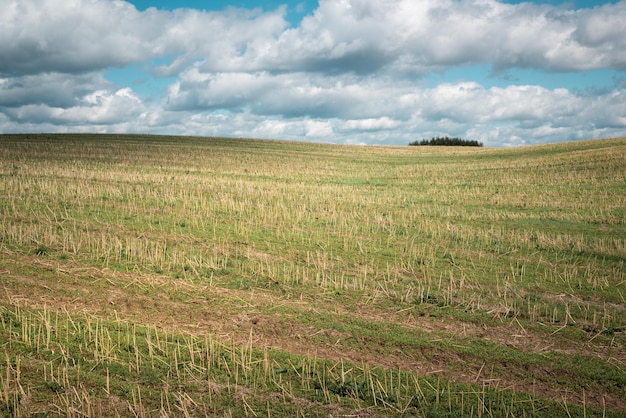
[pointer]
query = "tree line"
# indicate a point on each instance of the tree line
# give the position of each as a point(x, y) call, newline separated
point(445, 140)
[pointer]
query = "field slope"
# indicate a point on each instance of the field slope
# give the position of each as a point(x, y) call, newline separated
point(176, 276)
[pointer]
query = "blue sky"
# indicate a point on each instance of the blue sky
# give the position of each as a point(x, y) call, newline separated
point(386, 72)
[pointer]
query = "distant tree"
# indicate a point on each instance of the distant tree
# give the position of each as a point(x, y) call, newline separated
point(447, 141)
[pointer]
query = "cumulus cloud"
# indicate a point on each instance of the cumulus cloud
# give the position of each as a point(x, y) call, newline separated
point(370, 124)
point(74, 36)
point(408, 36)
point(100, 107)
point(53, 89)
point(343, 36)
point(351, 71)
point(469, 102)
point(289, 94)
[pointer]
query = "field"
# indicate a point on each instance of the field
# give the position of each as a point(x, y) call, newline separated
point(172, 276)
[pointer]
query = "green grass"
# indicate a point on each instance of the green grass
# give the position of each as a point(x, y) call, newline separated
point(146, 275)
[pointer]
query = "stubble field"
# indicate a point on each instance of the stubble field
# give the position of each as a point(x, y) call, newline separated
point(172, 276)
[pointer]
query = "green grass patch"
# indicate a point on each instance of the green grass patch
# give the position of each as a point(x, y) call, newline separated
point(145, 275)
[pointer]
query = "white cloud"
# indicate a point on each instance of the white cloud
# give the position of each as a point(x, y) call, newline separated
point(602, 31)
point(350, 72)
point(358, 35)
point(99, 108)
point(53, 89)
point(71, 35)
point(318, 129)
point(471, 103)
point(85, 35)
point(218, 90)
point(412, 36)
point(370, 124)
point(292, 94)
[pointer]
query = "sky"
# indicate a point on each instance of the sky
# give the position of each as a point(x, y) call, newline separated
point(378, 72)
